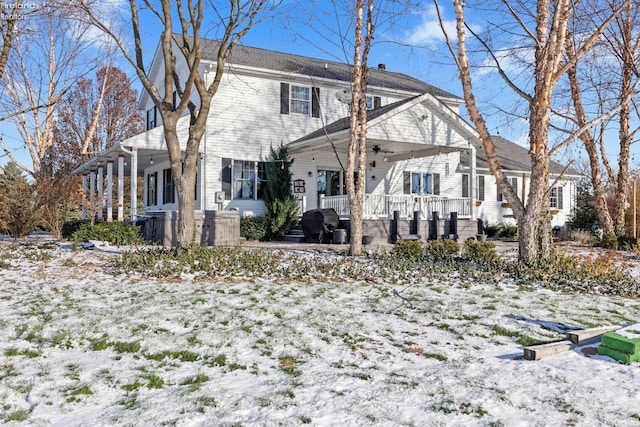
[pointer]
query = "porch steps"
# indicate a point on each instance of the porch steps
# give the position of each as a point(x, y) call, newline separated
point(295, 236)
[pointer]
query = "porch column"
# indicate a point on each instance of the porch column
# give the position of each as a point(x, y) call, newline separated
point(472, 182)
point(92, 192)
point(109, 190)
point(100, 191)
point(84, 196)
point(120, 187)
point(134, 185)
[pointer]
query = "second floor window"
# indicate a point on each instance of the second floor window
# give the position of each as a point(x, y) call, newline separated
point(302, 100)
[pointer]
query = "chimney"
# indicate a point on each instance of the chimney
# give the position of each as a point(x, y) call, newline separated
point(382, 67)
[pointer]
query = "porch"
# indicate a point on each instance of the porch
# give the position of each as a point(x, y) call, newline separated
point(384, 205)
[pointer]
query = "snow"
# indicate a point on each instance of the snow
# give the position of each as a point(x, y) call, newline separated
point(323, 354)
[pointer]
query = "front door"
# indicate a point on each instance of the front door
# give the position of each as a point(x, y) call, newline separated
point(330, 183)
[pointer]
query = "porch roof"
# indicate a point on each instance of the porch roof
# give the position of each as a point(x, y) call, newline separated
point(150, 147)
point(395, 147)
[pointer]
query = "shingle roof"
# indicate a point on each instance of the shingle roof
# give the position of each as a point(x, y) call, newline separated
point(345, 122)
point(320, 68)
point(515, 158)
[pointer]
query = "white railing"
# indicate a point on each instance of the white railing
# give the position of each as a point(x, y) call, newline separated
point(383, 205)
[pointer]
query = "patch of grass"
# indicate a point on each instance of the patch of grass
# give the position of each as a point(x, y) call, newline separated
point(436, 356)
point(75, 394)
point(195, 382)
point(504, 332)
point(154, 381)
point(11, 352)
point(220, 360)
point(21, 415)
point(305, 420)
point(182, 355)
point(100, 345)
point(526, 341)
point(132, 386)
point(126, 347)
point(292, 371)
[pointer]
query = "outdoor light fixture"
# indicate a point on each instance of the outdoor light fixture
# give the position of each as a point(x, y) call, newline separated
point(151, 161)
point(310, 174)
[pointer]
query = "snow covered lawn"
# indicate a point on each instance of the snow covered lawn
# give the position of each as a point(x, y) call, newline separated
point(80, 347)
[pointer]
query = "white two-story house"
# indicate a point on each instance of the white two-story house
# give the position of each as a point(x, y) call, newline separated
point(421, 154)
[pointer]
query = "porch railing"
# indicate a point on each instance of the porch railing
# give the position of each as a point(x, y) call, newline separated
point(383, 205)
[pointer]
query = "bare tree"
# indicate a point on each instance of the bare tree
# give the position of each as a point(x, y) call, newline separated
point(613, 85)
point(549, 35)
point(11, 14)
point(234, 21)
point(50, 53)
point(357, 151)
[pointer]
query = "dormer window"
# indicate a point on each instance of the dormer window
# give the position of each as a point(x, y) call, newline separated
point(295, 99)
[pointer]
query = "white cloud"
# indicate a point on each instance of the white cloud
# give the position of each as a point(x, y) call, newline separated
point(429, 31)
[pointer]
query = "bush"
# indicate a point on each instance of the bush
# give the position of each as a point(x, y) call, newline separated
point(253, 228)
point(626, 243)
point(507, 230)
point(491, 230)
point(480, 252)
point(442, 249)
point(70, 227)
point(609, 241)
point(117, 233)
point(408, 249)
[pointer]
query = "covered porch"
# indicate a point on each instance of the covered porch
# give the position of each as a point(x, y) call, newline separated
point(414, 162)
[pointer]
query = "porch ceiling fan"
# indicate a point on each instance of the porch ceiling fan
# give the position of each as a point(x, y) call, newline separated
point(377, 149)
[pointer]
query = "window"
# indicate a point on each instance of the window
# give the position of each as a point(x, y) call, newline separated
point(514, 183)
point(152, 189)
point(373, 102)
point(152, 116)
point(249, 179)
point(556, 200)
point(168, 187)
point(299, 100)
point(480, 188)
point(421, 183)
point(465, 185)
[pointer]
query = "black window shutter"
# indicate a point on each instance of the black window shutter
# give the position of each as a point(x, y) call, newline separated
point(406, 176)
point(175, 100)
point(480, 187)
point(436, 183)
point(377, 102)
point(315, 102)
point(559, 193)
point(465, 185)
point(284, 98)
point(155, 116)
point(226, 178)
